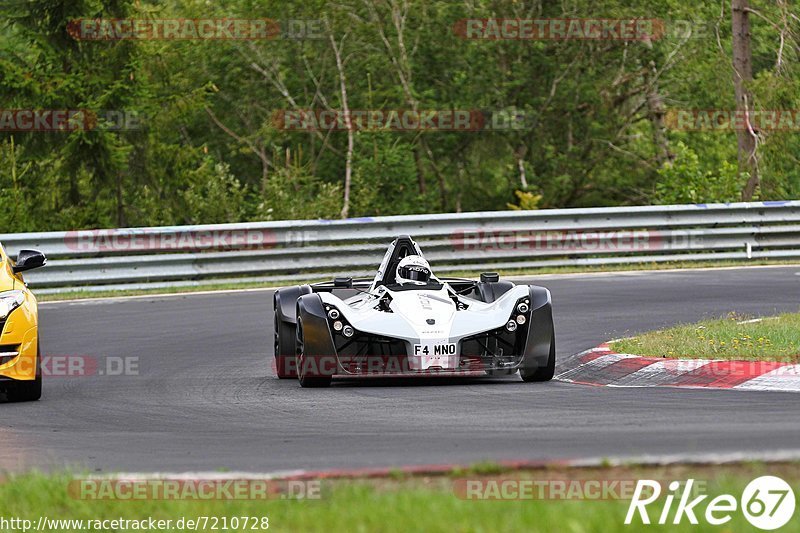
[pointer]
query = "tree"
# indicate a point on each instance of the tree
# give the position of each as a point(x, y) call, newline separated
point(747, 139)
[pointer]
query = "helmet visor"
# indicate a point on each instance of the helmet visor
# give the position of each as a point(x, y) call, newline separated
point(415, 273)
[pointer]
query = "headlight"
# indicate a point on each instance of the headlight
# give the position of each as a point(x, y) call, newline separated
point(10, 300)
point(518, 314)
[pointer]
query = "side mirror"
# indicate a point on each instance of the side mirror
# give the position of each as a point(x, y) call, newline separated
point(343, 283)
point(27, 260)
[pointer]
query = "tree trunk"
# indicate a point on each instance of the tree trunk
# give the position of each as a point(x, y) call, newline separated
point(402, 65)
point(742, 76)
point(520, 154)
point(421, 183)
point(121, 223)
point(656, 112)
point(348, 168)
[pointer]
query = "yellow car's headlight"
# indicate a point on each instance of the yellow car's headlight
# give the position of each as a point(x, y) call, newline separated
point(10, 300)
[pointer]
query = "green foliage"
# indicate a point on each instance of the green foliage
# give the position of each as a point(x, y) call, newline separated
point(213, 195)
point(385, 181)
point(293, 193)
point(15, 204)
point(207, 148)
point(527, 200)
point(687, 180)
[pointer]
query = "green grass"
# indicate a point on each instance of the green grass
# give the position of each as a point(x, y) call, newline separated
point(416, 504)
point(81, 294)
point(770, 339)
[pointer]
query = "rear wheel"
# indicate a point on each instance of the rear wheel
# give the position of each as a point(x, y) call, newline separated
point(542, 373)
point(27, 391)
point(285, 361)
point(307, 371)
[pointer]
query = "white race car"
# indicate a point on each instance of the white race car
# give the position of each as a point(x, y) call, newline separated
point(408, 321)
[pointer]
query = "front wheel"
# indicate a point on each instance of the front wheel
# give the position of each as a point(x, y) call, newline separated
point(306, 367)
point(544, 373)
point(27, 391)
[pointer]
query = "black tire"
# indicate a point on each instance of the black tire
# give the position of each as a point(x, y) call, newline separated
point(27, 391)
point(544, 373)
point(305, 374)
point(285, 360)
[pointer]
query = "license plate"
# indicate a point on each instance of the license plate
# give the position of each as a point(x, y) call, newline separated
point(435, 350)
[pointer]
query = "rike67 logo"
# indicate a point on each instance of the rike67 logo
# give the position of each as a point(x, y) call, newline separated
point(767, 502)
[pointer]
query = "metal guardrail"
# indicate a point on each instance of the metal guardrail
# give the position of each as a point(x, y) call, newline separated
point(182, 255)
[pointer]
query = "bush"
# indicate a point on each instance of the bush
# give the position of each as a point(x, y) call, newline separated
point(686, 180)
point(213, 195)
point(292, 193)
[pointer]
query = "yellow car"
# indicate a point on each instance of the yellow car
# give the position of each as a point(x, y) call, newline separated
point(20, 364)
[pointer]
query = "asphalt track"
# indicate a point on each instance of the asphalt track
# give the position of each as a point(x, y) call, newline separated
point(205, 397)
